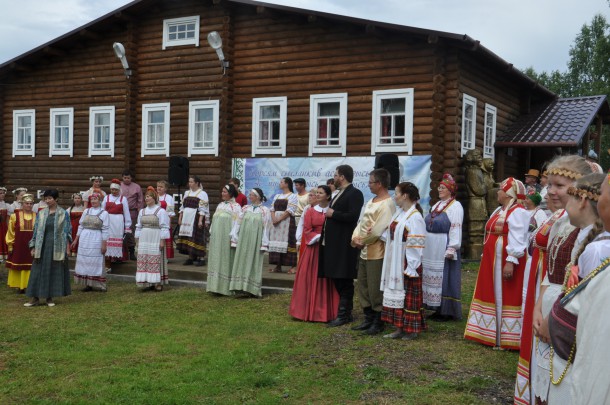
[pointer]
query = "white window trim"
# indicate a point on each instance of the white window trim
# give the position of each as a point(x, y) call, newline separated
point(24, 152)
point(314, 101)
point(378, 96)
point(61, 152)
point(193, 106)
point(146, 108)
point(257, 103)
point(180, 42)
point(466, 99)
point(490, 109)
point(92, 112)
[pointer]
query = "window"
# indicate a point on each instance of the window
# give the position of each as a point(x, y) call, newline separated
point(327, 123)
point(469, 123)
point(269, 126)
point(155, 129)
point(62, 131)
point(181, 31)
point(392, 121)
point(490, 131)
point(101, 131)
point(203, 127)
point(24, 139)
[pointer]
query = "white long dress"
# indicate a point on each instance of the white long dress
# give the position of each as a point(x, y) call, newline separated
point(92, 231)
point(151, 228)
point(119, 224)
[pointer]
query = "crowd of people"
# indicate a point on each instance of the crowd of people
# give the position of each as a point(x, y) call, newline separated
point(542, 267)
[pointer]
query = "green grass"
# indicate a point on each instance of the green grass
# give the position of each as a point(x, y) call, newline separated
point(183, 346)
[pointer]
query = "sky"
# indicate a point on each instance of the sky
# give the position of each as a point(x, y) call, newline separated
point(526, 33)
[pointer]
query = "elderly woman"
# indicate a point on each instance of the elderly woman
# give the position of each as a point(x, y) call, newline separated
point(50, 248)
point(442, 281)
point(91, 240)
point(495, 313)
point(18, 236)
point(152, 231)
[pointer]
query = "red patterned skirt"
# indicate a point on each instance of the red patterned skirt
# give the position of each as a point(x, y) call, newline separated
point(411, 318)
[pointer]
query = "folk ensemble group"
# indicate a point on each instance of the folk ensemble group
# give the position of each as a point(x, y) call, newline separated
point(540, 287)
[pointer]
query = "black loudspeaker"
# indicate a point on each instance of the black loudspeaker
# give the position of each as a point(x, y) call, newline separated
point(178, 172)
point(389, 161)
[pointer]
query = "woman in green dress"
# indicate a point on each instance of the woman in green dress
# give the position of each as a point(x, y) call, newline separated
point(220, 251)
point(50, 248)
point(251, 235)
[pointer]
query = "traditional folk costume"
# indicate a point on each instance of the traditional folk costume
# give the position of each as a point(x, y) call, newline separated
point(251, 236)
point(5, 213)
point(536, 268)
point(565, 313)
point(401, 277)
point(166, 202)
point(87, 195)
point(442, 281)
point(152, 226)
point(537, 218)
point(75, 215)
point(221, 255)
point(314, 298)
point(562, 240)
point(302, 202)
point(495, 313)
point(282, 237)
point(590, 373)
point(135, 201)
point(191, 239)
point(18, 236)
point(50, 276)
point(119, 224)
point(93, 229)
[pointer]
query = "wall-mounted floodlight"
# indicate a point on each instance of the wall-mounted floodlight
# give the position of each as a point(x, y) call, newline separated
point(215, 42)
point(119, 51)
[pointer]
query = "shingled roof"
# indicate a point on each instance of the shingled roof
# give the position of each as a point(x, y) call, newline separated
point(563, 122)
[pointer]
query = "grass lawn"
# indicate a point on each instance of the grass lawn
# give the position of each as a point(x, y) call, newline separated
point(183, 346)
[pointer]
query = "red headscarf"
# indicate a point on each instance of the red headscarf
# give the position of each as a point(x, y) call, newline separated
point(448, 182)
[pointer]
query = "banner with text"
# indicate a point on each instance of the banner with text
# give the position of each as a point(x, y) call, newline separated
point(265, 173)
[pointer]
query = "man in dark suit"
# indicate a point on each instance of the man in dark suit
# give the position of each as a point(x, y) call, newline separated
point(338, 259)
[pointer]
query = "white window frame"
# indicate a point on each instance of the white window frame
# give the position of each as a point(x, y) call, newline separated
point(193, 107)
point(469, 140)
point(54, 112)
point(147, 108)
point(378, 97)
point(179, 21)
point(489, 134)
point(31, 150)
point(93, 111)
point(314, 101)
point(257, 103)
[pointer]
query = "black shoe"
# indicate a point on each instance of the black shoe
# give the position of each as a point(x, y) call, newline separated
point(340, 320)
point(87, 289)
point(367, 323)
point(377, 326)
point(188, 262)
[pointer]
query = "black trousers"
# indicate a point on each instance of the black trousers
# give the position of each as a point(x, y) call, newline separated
point(345, 288)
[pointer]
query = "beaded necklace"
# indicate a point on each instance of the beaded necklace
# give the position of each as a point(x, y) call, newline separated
point(436, 211)
point(556, 244)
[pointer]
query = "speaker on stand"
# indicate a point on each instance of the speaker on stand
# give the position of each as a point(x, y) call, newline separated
point(389, 161)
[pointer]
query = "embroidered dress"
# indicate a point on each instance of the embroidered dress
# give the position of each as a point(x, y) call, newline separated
point(191, 238)
point(5, 213)
point(564, 240)
point(495, 312)
point(119, 223)
point(221, 255)
point(50, 275)
point(75, 215)
point(313, 299)
point(18, 236)
point(92, 231)
point(442, 280)
point(401, 280)
point(282, 237)
point(166, 202)
point(152, 226)
point(251, 236)
point(536, 268)
point(590, 377)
